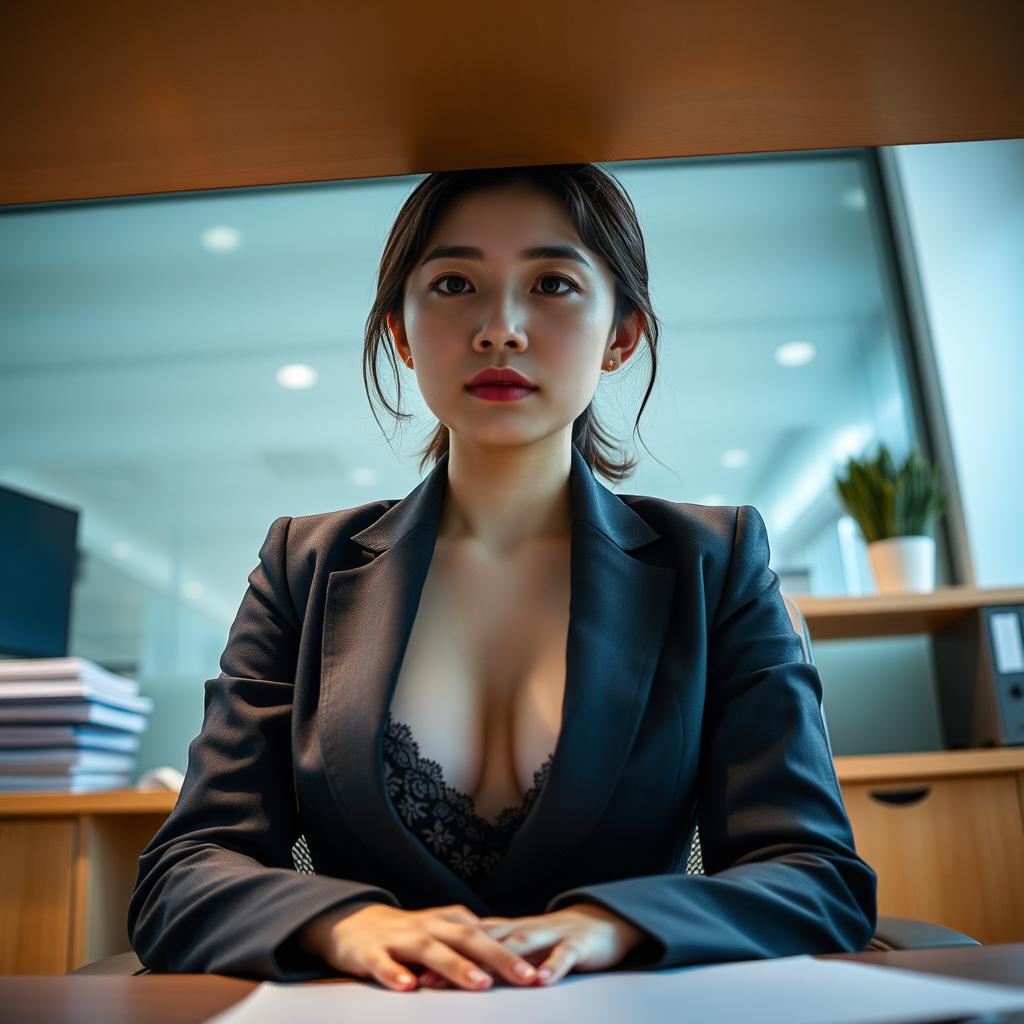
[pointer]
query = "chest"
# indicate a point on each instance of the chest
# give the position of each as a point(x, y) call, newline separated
point(483, 676)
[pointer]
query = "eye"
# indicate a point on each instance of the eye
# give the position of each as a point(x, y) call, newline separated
point(448, 277)
point(558, 277)
point(573, 287)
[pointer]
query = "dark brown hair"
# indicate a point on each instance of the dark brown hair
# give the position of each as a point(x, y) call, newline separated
point(606, 222)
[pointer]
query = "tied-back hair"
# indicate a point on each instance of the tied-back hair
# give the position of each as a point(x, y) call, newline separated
point(606, 222)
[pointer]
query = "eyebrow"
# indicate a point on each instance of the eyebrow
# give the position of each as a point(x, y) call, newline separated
point(538, 252)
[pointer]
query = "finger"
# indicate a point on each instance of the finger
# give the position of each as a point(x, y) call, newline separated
point(457, 912)
point(487, 952)
point(432, 979)
point(525, 939)
point(498, 927)
point(433, 953)
point(389, 972)
point(561, 960)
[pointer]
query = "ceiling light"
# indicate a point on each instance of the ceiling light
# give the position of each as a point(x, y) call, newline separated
point(296, 376)
point(221, 239)
point(795, 353)
point(735, 458)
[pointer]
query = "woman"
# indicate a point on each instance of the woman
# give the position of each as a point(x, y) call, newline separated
point(497, 708)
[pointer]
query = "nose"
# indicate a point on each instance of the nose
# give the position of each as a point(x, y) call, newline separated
point(502, 329)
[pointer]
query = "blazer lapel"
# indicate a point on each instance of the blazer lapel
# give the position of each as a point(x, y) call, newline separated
point(618, 618)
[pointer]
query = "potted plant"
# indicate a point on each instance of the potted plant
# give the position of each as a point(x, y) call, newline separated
point(895, 510)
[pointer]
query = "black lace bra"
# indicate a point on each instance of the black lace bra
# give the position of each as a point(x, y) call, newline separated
point(443, 818)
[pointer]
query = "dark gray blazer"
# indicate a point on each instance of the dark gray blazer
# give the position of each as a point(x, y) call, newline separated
point(687, 701)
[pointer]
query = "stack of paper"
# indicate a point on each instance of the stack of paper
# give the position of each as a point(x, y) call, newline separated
point(67, 724)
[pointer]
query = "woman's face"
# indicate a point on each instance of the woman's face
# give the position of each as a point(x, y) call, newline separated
point(546, 315)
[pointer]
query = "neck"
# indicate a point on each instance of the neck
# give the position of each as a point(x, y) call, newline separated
point(504, 496)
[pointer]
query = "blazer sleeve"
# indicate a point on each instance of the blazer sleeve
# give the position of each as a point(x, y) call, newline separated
point(217, 890)
point(782, 876)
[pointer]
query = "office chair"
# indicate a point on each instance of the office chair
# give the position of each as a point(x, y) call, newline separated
point(891, 932)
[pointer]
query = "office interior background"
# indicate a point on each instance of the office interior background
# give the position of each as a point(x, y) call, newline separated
point(184, 368)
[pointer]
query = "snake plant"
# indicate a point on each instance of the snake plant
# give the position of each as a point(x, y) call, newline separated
point(890, 502)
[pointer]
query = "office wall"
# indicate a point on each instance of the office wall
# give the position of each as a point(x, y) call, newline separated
point(964, 203)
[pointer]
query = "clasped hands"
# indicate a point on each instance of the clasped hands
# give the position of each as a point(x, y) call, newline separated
point(581, 935)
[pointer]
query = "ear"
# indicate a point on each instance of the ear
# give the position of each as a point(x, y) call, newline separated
point(627, 337)
point(398, 338)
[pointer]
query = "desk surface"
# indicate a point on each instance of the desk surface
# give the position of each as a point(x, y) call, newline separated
point(191, 998)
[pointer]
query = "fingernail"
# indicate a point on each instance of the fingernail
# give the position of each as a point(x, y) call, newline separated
point(477, 976)
point(545, 973)
point(525, 970)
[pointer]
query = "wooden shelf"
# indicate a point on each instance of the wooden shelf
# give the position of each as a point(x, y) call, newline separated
point(929, 764)
point(111, 801)
point(846, 618)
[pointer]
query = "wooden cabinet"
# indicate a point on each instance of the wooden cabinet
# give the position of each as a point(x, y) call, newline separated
point(945, 832)
point(68, 864)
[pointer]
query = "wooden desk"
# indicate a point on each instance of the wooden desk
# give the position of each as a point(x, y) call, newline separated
point(188, 998)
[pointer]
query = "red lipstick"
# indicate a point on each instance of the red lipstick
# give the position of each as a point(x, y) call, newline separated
point(503, 384)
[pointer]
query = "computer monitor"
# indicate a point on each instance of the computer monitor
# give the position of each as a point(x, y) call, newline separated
point(38, 557)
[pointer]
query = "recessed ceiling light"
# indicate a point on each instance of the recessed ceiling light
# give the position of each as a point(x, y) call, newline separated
point(221, 238)
point(735, 458)
point(296, 376)
point(192, 590)
point(795, 353)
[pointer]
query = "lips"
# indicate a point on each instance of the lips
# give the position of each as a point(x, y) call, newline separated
point(500, 377)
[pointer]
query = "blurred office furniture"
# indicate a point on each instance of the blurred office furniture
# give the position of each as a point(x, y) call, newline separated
point(943, 829)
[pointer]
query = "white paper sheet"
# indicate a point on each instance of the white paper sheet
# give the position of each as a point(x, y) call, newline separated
point(783, 990)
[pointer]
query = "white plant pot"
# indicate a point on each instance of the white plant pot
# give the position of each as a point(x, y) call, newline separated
point(902, 564)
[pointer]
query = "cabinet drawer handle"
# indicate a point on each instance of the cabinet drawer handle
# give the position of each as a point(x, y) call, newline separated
point(900, 797)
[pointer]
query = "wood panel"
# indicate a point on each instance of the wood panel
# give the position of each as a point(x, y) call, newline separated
point(111, 845)
point(108, 801)
point(37, 895)
point(929, 764)
point(952, 856)
point(111, 99)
